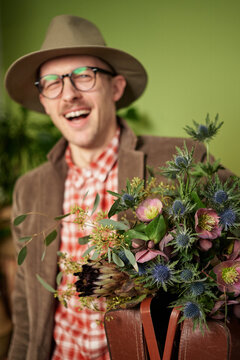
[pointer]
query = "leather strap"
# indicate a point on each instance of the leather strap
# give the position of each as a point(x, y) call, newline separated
point(171, 332)
point(145, 310)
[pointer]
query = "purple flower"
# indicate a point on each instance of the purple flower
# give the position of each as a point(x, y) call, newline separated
point(205, 244)
point(228, 276)
point(206, 224)
point(149, 209)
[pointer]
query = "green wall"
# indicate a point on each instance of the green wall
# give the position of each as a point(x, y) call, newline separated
point(190, 49)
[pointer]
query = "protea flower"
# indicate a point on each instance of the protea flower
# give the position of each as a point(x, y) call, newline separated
point(149, 209)
point(102, 279)
point(206, 224)
point(228, 276)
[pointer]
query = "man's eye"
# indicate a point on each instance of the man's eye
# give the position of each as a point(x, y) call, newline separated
point(51, 84)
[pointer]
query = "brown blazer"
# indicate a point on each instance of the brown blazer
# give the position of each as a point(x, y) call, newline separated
point(41, 190)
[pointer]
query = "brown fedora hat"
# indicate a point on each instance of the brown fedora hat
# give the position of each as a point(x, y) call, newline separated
point(72, 35)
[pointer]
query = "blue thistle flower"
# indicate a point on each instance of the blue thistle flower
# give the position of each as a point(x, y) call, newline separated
point(220, 196)
point(127, 199)
point(191, 310)
point(178, 208)
point(228, 218)
point(203, 130)
point(197, 288)
point(161, 273)
point(181, 161)
point(186, 275)
point(182, 240)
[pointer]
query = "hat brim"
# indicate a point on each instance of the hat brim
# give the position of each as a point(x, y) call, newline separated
point(21, 76)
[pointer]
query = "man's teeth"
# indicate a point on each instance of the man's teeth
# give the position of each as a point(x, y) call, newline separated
point(76, 114)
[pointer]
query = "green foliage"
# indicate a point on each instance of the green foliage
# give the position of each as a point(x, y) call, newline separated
point(23, 146)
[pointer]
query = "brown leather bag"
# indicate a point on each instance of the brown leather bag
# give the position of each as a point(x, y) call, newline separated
point(142, 334)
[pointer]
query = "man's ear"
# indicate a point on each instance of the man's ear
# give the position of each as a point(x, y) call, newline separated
point(119, 83)
point(43, 102)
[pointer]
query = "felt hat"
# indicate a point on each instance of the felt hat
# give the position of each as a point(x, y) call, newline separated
point(72, 35)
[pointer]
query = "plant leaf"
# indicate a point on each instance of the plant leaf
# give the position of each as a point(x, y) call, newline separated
point(109, 255)
point(95, 255)
point(117, 260)
point(52, 236)
point(59, 278)
point(84, 240)
point(60, 217)
point(114, 208)
point(22, 255)
point(19, 219)
point(130, 257)
point(96, 203)
point(44, 253)
point(25, 238)
point(133, 234)
point(117, 225)
point(88, 250)
point(156, 229)
point(45, 284)
point(114, 194)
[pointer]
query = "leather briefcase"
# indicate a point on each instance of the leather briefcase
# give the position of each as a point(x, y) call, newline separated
point(151, 331)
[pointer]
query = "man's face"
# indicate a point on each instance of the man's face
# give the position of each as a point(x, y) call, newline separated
point(92, 123)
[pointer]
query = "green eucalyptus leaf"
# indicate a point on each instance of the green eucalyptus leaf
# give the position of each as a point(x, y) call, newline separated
point(60, 217)
point(22, 255)
point(84, 240)
point(50, 237)
point(59, 278)
point(45, 284)
point(117, 260)
point(156, 229)
point(25, 238)
point(95, 255)
point(130, 257)
point(96, 203)
point(88, 250)
point(109, 255)
point(19, 219)
point(117, 225)
point(44, 253)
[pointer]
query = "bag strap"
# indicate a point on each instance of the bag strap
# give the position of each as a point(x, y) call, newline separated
point(145, 310)
point(148, 329)
point(171, 332)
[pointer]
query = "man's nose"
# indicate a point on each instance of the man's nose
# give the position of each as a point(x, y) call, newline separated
point(69, 92)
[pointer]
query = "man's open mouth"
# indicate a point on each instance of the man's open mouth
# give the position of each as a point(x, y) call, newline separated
point(77, 115)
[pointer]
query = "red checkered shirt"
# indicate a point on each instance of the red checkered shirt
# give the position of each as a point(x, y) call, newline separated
point(77, 333)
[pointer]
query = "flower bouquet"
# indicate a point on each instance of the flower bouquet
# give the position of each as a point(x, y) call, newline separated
point(181, 237)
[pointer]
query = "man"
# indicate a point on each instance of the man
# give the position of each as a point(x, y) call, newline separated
point(79, 83)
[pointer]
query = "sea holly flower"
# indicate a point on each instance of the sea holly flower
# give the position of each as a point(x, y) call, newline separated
point(204, 132)
point(207, 224)
point(220, 196)
point(149, 209)
point(191, 310)
point(161, 274)
point(178, 208)
point(228, 276)
point(228, 218)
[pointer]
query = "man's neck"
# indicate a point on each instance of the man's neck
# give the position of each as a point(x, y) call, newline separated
point(83, 157)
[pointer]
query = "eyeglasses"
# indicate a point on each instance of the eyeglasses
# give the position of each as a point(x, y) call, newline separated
point(83, 79)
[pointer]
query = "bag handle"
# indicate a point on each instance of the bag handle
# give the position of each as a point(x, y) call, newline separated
point(149, 332)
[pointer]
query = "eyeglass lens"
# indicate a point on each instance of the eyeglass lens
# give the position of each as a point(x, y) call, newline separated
point(81, 78)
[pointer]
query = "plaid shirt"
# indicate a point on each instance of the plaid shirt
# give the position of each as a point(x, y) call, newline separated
point(77, 334)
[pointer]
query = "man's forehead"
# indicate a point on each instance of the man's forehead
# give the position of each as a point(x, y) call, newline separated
point(69, 62)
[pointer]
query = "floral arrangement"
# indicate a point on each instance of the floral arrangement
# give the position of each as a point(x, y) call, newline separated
point(182, 238)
